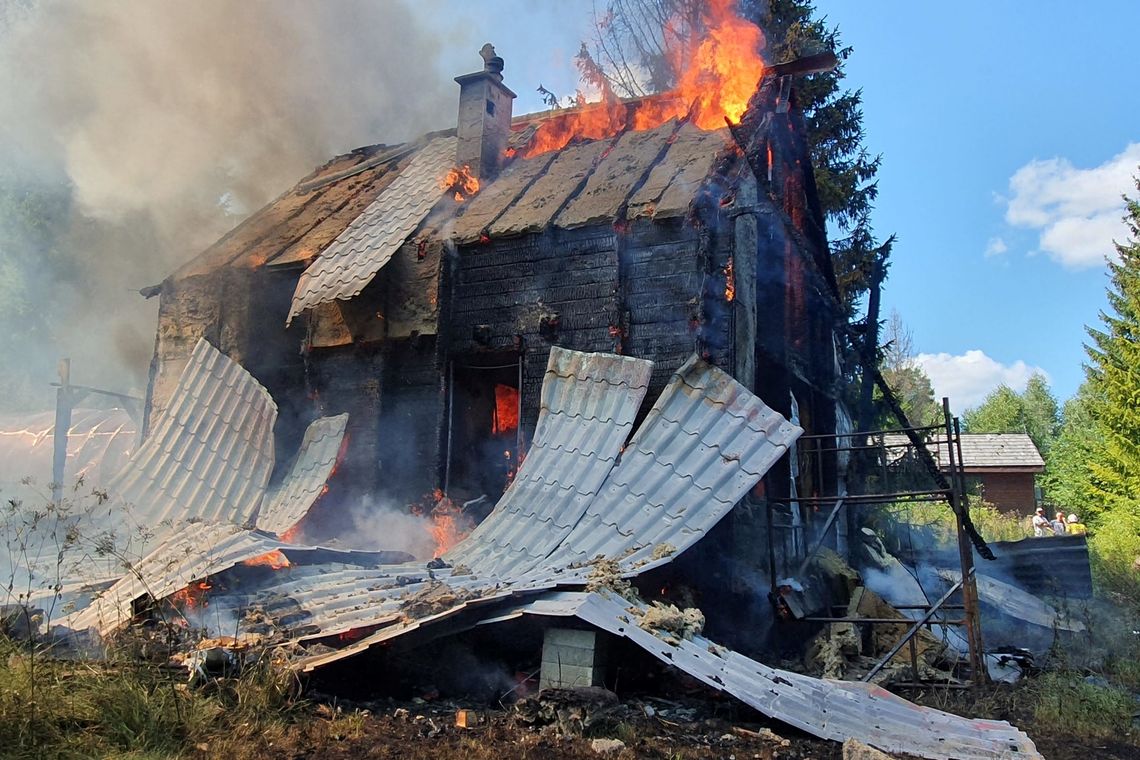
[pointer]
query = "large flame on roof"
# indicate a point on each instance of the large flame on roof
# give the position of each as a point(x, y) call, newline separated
point(714, 82)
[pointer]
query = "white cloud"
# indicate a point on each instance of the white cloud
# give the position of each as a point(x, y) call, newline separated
point(995, 247)
point(968, 378)
point(1077, 211)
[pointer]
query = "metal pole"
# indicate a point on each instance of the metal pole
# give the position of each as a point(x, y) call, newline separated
point(450, 424)
point(915, 629)
point(821, 538)
point(965, 548)
point(63, 402)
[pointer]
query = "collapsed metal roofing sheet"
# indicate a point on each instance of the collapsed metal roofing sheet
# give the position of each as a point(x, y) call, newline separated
point(1057, 564)
point(706, 442)
point(1017, 603)
point(306, 480)
point(835, 710)
point(344, 268)
point(190, 555)
point(208, 458)
point(588, 405)
point(198, 552)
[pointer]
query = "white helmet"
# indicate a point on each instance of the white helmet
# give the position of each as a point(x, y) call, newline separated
point(1072, 518)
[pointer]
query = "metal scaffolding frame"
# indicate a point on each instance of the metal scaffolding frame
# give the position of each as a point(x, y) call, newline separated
point(950, 487)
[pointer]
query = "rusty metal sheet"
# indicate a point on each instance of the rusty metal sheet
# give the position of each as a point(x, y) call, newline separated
point(306, 480)
point(535, 210)
point(497, 196)
point(208, 458)
point(344, 268)
point(617, 175)
point(828, 709)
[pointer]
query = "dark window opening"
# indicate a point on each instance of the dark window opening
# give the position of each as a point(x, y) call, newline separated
point(490, 108)
point(483, 439)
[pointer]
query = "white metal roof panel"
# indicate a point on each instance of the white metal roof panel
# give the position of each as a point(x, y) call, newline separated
point(306, 480)
point(344, 268)
point(835, 710)
point(208, 458)
point(704, 444)
point(588, 405)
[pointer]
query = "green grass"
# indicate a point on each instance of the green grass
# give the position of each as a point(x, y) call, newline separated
point(1066, 701)
point(76, 709)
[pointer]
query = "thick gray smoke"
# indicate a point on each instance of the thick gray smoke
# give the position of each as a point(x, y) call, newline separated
point(136, 134)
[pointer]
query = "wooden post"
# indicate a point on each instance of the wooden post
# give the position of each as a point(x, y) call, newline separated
point(63, 401)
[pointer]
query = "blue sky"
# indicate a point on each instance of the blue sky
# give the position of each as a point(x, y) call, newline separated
point(995, 279)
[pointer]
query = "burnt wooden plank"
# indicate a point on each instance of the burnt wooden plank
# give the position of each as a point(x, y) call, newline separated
point(538, 205)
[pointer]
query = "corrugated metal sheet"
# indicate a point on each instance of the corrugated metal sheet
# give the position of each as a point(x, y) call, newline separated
point(835, 710)
point(197, 552)
point(366, 245)
point(207, 460)
point(1017, 603)
point(192, 554)
point(1057, 565)
point(587, 410)
point(306, 480)
point(703, 445)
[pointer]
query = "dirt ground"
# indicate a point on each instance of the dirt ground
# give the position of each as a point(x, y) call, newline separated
point(410, 731)
point(685, 729)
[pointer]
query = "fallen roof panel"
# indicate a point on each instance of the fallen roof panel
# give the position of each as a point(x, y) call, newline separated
point(351, 262)
point(306, 480)
point(588, 405)
point(704, 444)
point(834, 710)
point(208, 458)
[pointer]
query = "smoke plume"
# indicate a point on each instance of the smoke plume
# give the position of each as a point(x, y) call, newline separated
point(136, 134)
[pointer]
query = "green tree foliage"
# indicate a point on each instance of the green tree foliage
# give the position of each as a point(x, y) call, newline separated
point(632, 56)
point(1033, 411)
point(1066, 482)
point(1113, 404)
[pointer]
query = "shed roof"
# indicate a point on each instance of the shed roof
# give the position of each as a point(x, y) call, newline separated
point(981, 452)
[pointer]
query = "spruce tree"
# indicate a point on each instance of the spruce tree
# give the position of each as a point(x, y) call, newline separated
point(1114, 407)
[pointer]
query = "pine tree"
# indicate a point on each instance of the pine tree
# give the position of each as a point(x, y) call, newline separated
point(1067, 483)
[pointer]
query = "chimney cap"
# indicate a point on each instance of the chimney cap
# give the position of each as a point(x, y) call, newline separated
point(491, 62)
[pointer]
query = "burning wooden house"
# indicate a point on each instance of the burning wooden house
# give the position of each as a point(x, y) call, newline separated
point(420, 287)
point(579, 315)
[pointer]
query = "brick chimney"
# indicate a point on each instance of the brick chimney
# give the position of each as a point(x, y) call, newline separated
point(484, 116)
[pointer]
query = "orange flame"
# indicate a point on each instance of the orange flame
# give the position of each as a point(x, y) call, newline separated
point(714, 82)
point(274, 559)
point(506, 416)
point(461, 181)
point(447, 523)
point(192, 597)
point(729, 281)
